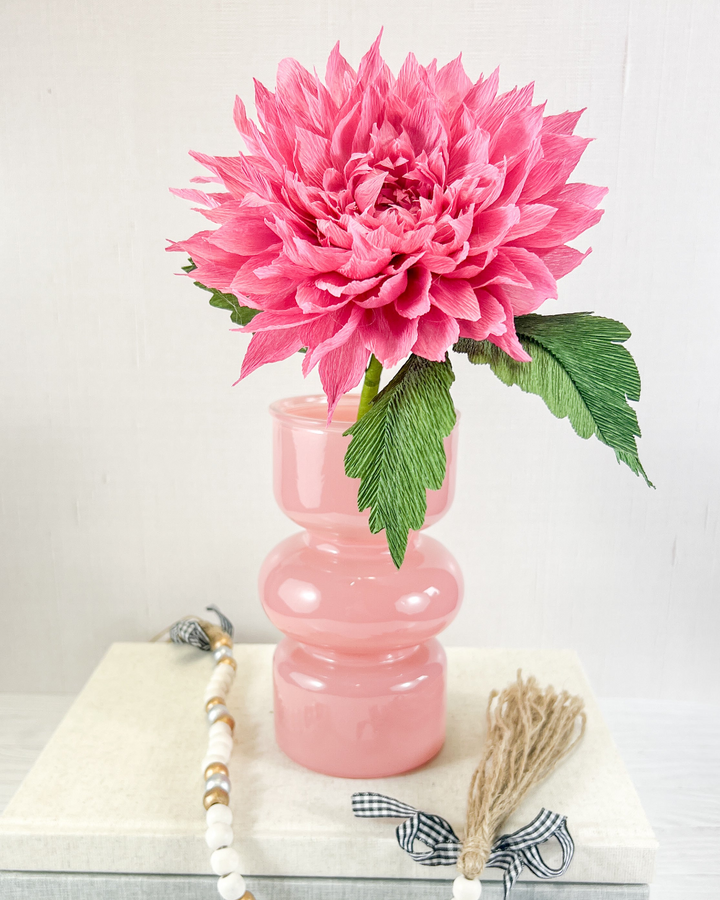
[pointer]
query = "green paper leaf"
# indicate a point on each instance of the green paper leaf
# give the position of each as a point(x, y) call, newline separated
point(580, 369)
point(239, 315)
point(397, 449)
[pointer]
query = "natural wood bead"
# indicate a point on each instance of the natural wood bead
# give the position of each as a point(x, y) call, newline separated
point(216, 795)
point(227, 661)
point(228, 719)
point(216, 768)
point(214, 701)
point(222, 640)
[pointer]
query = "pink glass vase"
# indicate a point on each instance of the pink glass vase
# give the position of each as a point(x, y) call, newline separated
point(359, 679)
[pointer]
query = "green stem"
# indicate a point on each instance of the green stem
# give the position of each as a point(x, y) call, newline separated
point(371, 385)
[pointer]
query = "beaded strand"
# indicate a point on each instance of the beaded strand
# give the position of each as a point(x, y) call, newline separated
point(224, 860)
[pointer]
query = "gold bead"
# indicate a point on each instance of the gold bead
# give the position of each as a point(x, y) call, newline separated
point(221, 640)
point(247, 896)
point(228, 719)
point(216, 769)
point(216, 795)
point(227, 661)
point(214, 701)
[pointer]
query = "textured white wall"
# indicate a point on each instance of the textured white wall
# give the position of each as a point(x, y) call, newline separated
point(135, 481)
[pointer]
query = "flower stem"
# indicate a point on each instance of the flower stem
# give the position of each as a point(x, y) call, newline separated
point(370, 386)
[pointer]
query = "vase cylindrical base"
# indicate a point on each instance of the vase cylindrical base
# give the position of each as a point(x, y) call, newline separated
point(360, 716)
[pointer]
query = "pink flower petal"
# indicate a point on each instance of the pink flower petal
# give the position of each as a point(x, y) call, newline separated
point(491, 226)
point(561, 153)
point(437, 332)
point(452, 82)
point(570, 220)
point(562, 124)
point(508, 341)
point(415, 300)
point(346, 324)
point(339, 285)
point(267, 347)
point(313, 155)
point(340, 77)
point(311, 299)
point(388, 335)
point(455, 297)
point(493, 318)
point(246, 236)
point(561, 260)
point(366, 260)
point(342, 369)
point(533, 217)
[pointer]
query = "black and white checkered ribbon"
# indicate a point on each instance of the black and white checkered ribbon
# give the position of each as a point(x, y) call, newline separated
point(510, 852)
point(189, 631)
point(433, 831)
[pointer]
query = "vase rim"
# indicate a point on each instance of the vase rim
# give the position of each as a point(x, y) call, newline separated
point(310, 411)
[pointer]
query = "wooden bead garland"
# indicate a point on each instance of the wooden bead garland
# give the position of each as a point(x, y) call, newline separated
point(219, 836)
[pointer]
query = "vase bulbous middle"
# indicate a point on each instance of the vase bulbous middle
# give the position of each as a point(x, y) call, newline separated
point(359, 679)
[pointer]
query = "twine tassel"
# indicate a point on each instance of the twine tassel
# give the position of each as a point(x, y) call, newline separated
point(530, 731)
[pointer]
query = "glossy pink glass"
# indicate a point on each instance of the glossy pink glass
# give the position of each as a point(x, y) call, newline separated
point(360, 678)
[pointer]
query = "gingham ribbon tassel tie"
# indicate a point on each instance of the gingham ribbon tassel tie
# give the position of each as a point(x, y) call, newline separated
point(191, 631)
point(510, 852)
point(433, 831)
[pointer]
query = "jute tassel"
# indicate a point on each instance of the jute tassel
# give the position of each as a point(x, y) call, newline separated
point(529, 731)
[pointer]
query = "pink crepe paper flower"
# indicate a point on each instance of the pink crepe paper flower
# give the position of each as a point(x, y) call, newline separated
point(390, 215)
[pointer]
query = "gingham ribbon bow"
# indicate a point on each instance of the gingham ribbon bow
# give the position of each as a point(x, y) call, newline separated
point(190, 631)
point(433, 831)
point(510, 852)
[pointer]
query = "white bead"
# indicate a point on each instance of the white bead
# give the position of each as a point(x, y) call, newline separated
point(219, 814)
point(218, 750)
point(225, 860)
point(464, 889)
point(211, 694)
point(223, 652)
point(232, 886)
point(220, 728)
point(222, 671)
point(219, 745)
point(219, 687)
point(224, 737)
point(219, 835)
point(218, 754)
point(221, 756)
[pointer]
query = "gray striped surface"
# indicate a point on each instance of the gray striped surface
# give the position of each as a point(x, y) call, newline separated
point(82, 886)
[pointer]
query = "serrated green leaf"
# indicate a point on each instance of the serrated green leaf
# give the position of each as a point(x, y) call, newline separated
point(397, 449)
point(580, 369)
point(239, 315)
